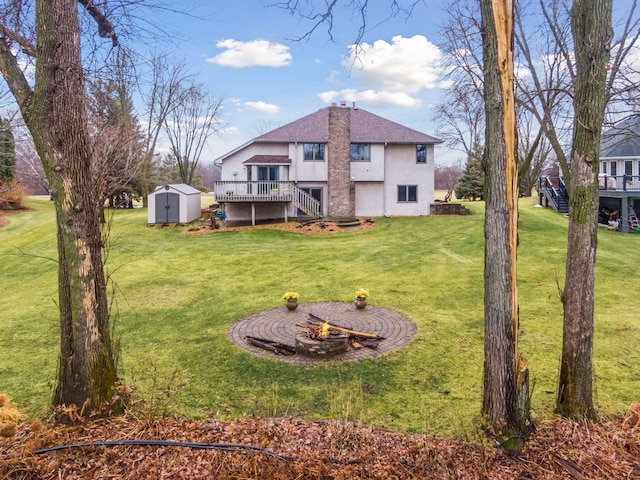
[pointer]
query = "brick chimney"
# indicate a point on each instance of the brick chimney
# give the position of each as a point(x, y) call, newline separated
point(341, 193)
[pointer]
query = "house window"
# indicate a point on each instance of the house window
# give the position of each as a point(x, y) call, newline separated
point(421, 153)
point(603, 167)
point(628, 168)
point(313, 152)
point(360, 152)
point(613, 169)
point(407, 193)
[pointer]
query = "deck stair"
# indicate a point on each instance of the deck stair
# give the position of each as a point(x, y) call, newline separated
point(555, 192)
point(306, 203)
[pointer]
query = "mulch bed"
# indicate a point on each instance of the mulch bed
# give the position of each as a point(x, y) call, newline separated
point(312, 228)
point(7, 209)
point(288, 448)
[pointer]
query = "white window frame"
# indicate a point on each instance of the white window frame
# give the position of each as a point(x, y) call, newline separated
point(317, 152)
point(407, 193)
point(364, 152)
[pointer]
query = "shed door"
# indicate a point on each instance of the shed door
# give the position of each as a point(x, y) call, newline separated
point(167, 207)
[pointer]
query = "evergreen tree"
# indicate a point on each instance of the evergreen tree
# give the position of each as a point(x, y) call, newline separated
point(471, 184)
point(7, 152)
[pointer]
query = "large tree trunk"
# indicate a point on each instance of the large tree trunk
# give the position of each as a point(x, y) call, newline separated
point(592, 30)
point(58, 122)
point(501, 382)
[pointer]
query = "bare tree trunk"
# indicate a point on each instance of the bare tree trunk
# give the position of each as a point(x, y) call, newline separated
point(501, 384)
point(55, 114)
point(592, 32)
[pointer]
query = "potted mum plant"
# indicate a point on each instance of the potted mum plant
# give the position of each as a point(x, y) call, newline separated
point(361, 298)
point(291, 299)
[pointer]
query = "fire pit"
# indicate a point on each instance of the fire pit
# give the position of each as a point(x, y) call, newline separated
point(323, 338)
point(323, 347)
point(273, 332)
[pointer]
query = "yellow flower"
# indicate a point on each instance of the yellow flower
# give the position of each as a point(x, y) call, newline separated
point(291, 296)
point(362, 294)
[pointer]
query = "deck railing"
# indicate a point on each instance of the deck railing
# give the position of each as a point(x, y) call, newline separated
point(266, 191)
point(619, 182)
point(260, 191)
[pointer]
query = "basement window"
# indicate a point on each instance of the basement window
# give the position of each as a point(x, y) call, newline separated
point(407, 193)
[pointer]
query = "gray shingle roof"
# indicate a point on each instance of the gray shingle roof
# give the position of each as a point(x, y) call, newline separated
point(622, 140)
point(365, 128)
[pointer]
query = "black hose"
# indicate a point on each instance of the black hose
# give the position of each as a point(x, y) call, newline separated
point(167, 443)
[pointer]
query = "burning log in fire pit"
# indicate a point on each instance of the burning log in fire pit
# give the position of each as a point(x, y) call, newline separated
point(325, 338)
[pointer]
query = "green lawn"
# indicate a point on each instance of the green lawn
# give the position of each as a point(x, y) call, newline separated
point(175, 296)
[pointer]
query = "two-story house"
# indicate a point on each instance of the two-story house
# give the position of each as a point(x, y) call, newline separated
point(338, 162)
point(619, 177)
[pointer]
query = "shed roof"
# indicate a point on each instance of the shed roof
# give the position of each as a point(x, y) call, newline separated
point(622, 140)
point(180, 187)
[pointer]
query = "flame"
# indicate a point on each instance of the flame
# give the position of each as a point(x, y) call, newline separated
point(324, 330)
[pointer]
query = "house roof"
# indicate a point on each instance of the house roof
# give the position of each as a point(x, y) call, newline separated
point(271, 159)
point(622, 140)
point(365, 128)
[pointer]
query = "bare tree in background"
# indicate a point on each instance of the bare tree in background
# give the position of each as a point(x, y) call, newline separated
point(189, 125)
point(116, 140)
point(446, 178)
point(460, 117)
point(165, 91)
point(29, 172)
point(548, 56)
point(534, 151)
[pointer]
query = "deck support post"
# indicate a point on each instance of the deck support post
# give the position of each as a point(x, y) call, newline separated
point(286, 217)
point(253, 214)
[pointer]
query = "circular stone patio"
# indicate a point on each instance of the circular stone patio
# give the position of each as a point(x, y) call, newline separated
point(279, 325)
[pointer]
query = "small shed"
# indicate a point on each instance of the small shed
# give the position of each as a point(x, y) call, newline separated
point(177, 203)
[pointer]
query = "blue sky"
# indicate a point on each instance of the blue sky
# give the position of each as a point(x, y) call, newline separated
point(244, 52)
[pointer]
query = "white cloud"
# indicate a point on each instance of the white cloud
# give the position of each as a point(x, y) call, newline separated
point(262, 107)
point(256, 53)
point(228, 131)
point(392, 73)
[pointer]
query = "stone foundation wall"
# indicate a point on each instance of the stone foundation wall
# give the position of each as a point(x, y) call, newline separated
point(449, 209)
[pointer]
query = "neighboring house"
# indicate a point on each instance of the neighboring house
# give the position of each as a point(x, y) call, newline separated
point(619, 179)
point(620, 173)
point(337, 162)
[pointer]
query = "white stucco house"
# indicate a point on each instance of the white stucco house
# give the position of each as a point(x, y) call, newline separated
point(339, 161)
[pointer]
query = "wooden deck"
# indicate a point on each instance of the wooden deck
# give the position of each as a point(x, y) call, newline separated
point(251, 192)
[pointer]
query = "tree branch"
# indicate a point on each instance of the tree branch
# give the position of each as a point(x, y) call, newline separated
point(28, 48)
point(13, 76)
point(105, 27)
